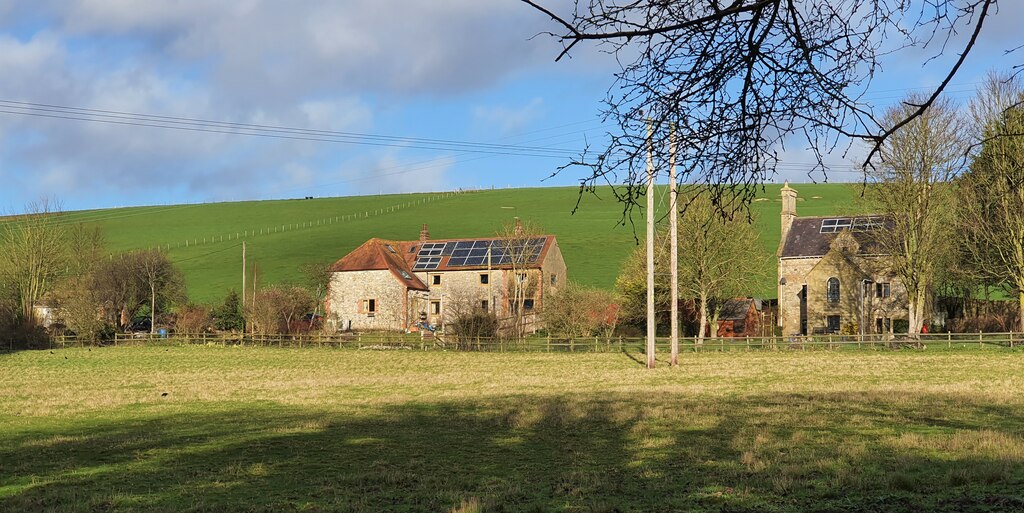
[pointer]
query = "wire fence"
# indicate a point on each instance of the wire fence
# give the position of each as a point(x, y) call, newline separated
point(415, 341)
point(305, 225)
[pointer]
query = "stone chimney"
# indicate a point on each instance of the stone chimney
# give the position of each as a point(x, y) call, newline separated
point(424, 233)
point(788, 208)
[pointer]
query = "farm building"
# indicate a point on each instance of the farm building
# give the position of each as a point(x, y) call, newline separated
point(423, 284)
point(832, 275)
point(740, 317)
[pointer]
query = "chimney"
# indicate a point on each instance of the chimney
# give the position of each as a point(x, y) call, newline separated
point(788, 208)
point(424, 233)
point(518, 228)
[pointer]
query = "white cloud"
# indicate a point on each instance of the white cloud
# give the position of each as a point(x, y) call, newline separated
point(318, 64)
point(510, 120)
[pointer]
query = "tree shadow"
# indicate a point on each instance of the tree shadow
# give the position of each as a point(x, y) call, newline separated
point(574, 452)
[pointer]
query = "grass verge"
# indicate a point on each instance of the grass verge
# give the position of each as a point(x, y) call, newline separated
point(245, 429)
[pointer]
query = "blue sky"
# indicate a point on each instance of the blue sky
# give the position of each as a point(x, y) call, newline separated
point(465, 70)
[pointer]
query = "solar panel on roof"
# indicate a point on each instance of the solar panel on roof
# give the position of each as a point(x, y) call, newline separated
point(835, 225)
point(472, 253)
point(863, 224)
point(432, 249)
point(426, 263)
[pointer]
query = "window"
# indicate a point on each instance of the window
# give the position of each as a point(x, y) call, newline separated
point(369, 306)
point(832, 323)
point(832, 290)
point(882, 290)
point(485, 278)
point(435, 307)
point(883, 324)
point(391, 249)
point(436, 279)
point(483, 305)
point(527, 304)
point(554, 279)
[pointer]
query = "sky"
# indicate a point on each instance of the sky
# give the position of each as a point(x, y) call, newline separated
point(456, 70)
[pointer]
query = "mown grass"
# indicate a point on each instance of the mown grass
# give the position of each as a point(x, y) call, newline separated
point(213, 268)
point(259, 429)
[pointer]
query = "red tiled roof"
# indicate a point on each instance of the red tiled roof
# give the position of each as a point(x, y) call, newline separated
point(377, 255)
point(374, 255)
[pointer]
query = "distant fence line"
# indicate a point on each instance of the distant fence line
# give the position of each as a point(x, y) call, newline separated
point(400, 341)
point(289, 227)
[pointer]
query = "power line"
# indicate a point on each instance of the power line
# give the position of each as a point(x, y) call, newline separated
point(271, 131)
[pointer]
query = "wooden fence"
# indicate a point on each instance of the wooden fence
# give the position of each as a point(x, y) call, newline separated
point(399, 341)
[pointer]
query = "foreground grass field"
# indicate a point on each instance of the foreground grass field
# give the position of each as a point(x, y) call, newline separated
point(172, 429)
point(212, 268)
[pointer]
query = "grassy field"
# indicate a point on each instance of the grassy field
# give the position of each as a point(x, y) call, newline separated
point(171, 429)
point(592, 240)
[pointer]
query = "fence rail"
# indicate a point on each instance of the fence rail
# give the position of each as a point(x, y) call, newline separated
point(400, 341)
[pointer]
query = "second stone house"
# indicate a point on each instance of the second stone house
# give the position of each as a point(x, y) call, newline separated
point(833, 275)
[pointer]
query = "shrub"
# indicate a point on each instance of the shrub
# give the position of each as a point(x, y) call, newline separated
point(473, 325)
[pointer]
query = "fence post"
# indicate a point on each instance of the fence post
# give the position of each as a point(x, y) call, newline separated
point(979, 340)
point(949, 340)
point(1011, 339)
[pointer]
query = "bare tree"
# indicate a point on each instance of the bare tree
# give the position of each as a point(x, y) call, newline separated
point(719, 258)
point(277, 308)
point(33, 256)
point(127, 281)
point(514, 243)
point(741, 77)
point(317, 277)
point(120, 293)
point(81, 307)
point(578, 311)
point(992, 193)
point(160, 278)
point(913, 186)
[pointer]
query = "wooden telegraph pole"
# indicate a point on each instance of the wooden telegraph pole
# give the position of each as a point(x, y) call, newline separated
point(650, 245)
point(674, 251)
point(243, 275)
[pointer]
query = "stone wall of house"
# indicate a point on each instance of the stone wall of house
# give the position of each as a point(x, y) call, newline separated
point(348, 290)
point(458, 292)
point(554, 273)
point(856, 305)
point(794, 272)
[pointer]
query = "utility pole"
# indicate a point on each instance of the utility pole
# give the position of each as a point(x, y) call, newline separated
point(243, 275)
point(650, 245)
point(490, 288)
point(674, 251)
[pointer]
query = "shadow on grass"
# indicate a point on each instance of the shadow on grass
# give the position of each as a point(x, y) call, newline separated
point(825, 452)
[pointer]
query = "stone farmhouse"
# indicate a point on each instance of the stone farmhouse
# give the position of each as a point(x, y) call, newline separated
point(832, 275)
point(424, 284)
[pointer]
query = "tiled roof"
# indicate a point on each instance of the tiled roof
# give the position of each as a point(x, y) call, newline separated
point(805, 238)
point(735, 309)
point(378, 255)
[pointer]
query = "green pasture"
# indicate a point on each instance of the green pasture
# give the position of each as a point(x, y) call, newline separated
point(215, 429)
point(283, 235)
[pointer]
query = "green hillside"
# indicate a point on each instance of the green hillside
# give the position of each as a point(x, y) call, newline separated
point(283, 235)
